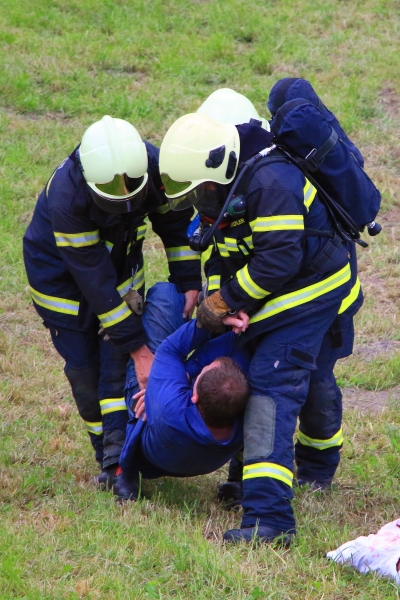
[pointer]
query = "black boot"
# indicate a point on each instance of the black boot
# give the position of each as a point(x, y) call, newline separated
point(126, 487)
point(260, 533)
point(231, 492)
point(105, 480)
point(315, 486)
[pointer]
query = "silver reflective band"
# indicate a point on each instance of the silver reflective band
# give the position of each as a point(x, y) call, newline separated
point(267, 469)
point(109, 405)
point(299, 297)
point(115, 316)
point(138, 279)
point(77, 240)
point(335, 440)
point(61, 305)
point(96, 428)
point(182, 253)
point(124, 287)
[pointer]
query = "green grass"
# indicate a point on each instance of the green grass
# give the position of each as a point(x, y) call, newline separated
point(62, 66)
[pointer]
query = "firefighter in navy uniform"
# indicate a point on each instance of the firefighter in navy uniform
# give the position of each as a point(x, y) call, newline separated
point(84, 261)
point(317, 450)
point(286, 283)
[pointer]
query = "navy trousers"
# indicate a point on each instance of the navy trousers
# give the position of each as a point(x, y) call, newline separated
point(317, 451)
point(96, 372)
point(162, 315)
point(280, 376)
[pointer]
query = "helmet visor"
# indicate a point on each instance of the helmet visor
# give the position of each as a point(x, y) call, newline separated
point(121, 187)
point(119, 206)
point(172, 187)
point(208, 198)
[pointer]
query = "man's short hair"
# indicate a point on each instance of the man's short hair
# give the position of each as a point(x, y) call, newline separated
point(223, 392)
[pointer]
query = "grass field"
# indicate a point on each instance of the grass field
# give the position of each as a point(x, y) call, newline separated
point(62, 66)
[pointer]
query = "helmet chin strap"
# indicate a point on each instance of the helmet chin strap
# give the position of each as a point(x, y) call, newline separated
point(201, 241)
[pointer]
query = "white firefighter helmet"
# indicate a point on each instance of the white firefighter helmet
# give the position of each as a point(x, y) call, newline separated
point(227, 106)
point(196, 151)
point(114, 164)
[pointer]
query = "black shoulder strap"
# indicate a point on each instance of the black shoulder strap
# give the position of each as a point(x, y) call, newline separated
point(342, 221)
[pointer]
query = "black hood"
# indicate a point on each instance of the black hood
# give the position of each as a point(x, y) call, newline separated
point(253, 138)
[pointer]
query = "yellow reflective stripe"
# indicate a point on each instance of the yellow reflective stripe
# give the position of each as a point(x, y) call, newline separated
point(141, 232)
point(179, 253)
point(249, 285)
point(128, 248)
point(96, 428)
point(61, 305)
point(352, 297)
point(133, 282)
point(214, 282)
point(109, 245)
point(309, 192)
point(49, 183)
point(77, 240)
point(125, 287)
point(249, 241)
point(243, 249)
point(335, 440)
point(299, 297)
point(163, 209)
point(266, 469)
point(115, 316)
point(109, 405)
point(138, 279)
point(206, 254)
point(231, 244)
point(278, 223)
point(223, 250)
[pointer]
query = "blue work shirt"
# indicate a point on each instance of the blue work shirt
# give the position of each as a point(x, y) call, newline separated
point(174, 440)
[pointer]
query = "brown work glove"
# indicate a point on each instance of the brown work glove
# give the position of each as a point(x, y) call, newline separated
point(211, 311)
point(135, 301)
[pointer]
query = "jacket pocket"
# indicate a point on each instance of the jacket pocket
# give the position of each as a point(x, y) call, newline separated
point(302, 357)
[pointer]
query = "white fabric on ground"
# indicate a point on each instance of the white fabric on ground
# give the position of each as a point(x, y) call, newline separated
point(378, 552)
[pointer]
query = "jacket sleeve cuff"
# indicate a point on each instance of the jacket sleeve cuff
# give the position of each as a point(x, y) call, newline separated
point(234, 301)
point(185, 285)
point(131, 343)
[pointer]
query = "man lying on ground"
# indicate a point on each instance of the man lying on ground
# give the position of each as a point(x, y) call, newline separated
point(192, 422)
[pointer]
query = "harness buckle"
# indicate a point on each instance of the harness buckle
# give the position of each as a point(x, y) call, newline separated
point(310, 162)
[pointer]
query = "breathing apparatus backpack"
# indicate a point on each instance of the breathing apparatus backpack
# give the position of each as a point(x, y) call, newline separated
point(310, 136)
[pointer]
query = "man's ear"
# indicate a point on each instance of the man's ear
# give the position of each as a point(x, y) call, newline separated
point(195, 398)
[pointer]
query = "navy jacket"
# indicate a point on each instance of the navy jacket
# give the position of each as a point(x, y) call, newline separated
point(80, 260)
point(264, 262)
point(174, 440)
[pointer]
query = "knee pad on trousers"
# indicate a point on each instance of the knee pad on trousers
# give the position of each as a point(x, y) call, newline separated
point(84, 385)
point(113, 443)
point(259, 428)
point(321, 415)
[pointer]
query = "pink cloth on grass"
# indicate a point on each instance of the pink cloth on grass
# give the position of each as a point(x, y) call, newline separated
point(378, 552)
